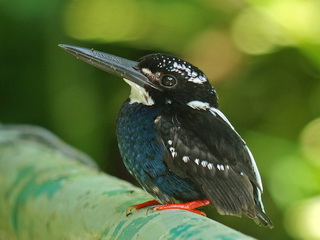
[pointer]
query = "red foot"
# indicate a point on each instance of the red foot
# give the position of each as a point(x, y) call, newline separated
point(189, 206)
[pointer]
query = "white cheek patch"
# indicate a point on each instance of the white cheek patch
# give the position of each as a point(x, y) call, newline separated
point(139, 94)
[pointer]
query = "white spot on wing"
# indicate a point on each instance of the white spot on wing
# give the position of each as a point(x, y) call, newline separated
point(157, 119)
point(210, 166)
point(173, 152)
point(168, 101)
point(185, 159)
point(204, 163)
point(216, 112)
point(220, 167)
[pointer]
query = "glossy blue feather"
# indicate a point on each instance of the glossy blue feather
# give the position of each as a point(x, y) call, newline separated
point(143, 154)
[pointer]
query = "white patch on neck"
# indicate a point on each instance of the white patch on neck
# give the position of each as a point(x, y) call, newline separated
point(198, 105)
point(139, 94)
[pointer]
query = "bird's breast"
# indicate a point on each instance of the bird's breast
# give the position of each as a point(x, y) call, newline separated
point(143, 153)
point(137, 139)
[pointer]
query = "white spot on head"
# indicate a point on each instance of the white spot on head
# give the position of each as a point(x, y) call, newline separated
point(185, 68)
point(139, 94)
point(197, 80)
point(198, 105)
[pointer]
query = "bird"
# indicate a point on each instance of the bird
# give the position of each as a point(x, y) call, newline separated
point(176, 142)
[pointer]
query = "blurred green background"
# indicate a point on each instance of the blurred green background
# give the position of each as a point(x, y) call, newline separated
point(262, 56)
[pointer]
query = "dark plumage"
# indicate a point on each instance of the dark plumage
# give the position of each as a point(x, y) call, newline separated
point(175, 141)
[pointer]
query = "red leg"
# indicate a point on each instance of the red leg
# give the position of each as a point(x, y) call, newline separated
point(189, 206)
point(145, 204)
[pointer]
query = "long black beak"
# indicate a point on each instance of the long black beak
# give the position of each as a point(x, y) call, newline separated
point(115, 65)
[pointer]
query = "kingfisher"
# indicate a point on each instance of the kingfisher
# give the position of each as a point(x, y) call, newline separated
point(175, 141)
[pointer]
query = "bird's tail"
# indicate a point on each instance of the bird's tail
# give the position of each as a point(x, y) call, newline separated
point(262, 219)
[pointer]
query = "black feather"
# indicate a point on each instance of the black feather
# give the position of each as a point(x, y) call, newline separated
point(206, 150)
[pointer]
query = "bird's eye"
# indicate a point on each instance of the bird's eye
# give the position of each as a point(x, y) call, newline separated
point(168, 81)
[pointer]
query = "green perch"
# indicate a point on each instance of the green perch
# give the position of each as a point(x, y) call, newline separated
point(48, 190)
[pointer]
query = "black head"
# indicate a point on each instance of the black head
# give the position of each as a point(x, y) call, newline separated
point(155, 78)
point(178, 81)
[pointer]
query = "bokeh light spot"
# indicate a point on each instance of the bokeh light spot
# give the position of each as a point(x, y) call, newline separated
point(255, 32)
point(303, 220)
point(215, 52)
point(310, 142)
point(292, 179)
point(301, 19)
point(100, 20)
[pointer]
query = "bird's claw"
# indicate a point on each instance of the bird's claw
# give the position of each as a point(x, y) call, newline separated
point(129, 211)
